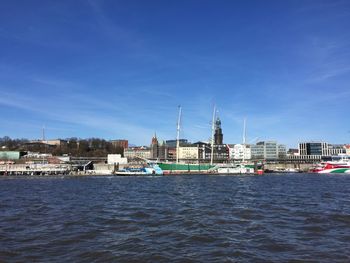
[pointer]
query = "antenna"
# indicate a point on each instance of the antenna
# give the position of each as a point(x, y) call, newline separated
point(44, 143)
point(43, 133)
point(212, 136)
point(178, 135)
point(244, 131)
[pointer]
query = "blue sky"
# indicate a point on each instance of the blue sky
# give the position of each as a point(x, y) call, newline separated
point(119, 69)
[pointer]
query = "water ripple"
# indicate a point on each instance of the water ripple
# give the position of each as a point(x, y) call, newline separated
point(296, 218)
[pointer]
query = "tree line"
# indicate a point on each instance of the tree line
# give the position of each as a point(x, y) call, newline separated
point(91, 147)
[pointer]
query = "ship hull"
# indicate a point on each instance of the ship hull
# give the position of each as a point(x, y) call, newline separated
point(173, 167)
point(335, 171)
point(235, 170)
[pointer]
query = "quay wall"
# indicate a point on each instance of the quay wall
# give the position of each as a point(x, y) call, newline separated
point(33, 169)
point(304, 167)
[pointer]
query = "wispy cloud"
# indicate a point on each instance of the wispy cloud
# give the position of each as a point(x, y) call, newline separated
point(111, 29)
point(327, 74)
point(67, 102)
point(326, 58)
point(324, 5)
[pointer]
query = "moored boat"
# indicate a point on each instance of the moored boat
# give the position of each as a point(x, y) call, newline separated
point(170, 168)
point(339, 164)
point(235, 169)
point(153, 169)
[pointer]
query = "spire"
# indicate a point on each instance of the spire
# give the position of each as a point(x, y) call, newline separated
point(154, 139)
point(218, 123)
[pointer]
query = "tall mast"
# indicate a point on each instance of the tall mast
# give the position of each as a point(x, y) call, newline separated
point(244, 131)
point(43, 133)
point(244, 138)
point(212, 136)
point(178, 135)
point(44, 144)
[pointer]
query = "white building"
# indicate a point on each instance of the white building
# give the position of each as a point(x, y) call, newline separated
point(116, 159)
point(138, 152)
point(347, 149)
point(188, 153)
point(240, 152)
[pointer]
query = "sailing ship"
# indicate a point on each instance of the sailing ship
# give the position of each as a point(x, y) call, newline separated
point(180, 168)
point(231, 168)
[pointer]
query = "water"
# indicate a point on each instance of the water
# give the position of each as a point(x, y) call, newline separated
point(296, 218)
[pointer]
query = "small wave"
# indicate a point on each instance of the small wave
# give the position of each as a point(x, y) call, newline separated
point(202, 239)
point(342, 218)
point(183, 219)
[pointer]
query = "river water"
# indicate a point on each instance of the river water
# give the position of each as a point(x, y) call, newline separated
point(278, 218)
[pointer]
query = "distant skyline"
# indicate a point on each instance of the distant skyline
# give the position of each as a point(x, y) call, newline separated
point(119, 69)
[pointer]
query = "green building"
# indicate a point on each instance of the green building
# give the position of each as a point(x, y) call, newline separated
point(10, 155)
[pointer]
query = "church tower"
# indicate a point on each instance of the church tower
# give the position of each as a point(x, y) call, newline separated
point(218, 136)
point(154, 147)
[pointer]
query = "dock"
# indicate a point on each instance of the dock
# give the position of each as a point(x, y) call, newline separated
point(35, 169)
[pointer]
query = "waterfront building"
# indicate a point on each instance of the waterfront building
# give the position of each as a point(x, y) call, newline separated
point(204, 150)
point(292, 152)
point(313, 148)
point(257, 151)
point(320, 149)
point(171, 154)
point(268, 150)
point(10, 155)
point(231, 153)
point(163, 151)
point(347, 149)
point(282, 151)
point(116, 159)
point(142, 152)
point(336, 149)
point(239, 152)
point(120, 143)
point(221, 152)
point(172, 143)
point(315, 152)
point(189, 152)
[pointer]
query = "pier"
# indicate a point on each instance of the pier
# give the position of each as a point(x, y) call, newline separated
point(34, 169)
